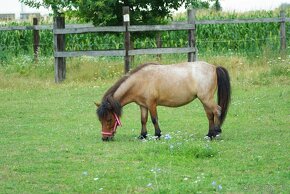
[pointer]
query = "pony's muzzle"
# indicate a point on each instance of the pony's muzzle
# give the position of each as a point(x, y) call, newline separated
point(107, 138)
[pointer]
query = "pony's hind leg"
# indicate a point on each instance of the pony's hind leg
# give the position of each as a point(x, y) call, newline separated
point(144, 118)
point(213, 112)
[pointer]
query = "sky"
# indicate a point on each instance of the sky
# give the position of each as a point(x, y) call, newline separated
point(13, 6)
point(247, 5)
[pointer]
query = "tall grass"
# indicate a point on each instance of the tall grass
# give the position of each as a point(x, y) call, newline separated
point(22, 71)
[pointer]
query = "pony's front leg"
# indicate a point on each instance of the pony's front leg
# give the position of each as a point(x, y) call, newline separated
point(144, 118)
point(154, 119)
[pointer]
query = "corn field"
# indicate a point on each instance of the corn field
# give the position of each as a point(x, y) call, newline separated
point(251, 38)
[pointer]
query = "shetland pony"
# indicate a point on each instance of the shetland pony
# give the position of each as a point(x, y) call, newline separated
point(150, 85)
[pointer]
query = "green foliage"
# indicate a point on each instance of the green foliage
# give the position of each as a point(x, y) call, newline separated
point(109, 12)
point(231, 38)
point(17, 42)
point(57, 6)
point(141, 12)
point(217, 5)
point(196, 4)
point(250, 39)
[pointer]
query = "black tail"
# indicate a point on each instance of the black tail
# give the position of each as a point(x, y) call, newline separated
point(224, 91)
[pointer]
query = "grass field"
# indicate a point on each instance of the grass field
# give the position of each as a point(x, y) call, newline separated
point(51, 142)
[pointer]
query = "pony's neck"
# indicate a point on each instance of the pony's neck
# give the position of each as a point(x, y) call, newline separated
point(121, 93)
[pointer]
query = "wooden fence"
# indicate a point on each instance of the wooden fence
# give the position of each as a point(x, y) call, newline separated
point(60, 54)
point(60, 30)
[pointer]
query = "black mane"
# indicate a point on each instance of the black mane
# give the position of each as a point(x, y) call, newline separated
point(109, 104)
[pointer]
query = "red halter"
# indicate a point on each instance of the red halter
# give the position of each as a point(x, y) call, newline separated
point(117, 123)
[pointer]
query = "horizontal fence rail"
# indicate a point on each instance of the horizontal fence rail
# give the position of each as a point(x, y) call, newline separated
point(81, 30)
point(137, 28)
point(113, 53)
point(241, 21)
point(172, 27)
point(160, 51)
point(121, 53)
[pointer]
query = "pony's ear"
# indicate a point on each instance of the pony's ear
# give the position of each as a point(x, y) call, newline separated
point(97, 104)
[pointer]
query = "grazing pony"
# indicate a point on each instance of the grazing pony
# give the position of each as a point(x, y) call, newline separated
point(150, 85)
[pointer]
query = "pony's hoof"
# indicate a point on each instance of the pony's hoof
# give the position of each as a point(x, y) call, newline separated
point(141, 137)
point(156, 137)
point(218, 136)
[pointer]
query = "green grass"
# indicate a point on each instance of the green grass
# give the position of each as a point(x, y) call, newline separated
point(51, 142)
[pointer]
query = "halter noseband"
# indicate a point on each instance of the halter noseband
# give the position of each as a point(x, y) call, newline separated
point(117, 123)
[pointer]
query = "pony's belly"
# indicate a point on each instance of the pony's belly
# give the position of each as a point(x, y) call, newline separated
point(175, 101)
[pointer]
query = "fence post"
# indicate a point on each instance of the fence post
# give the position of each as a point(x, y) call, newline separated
point(192, 56)
point(283, 32)
point(126, 23)
point(59, 45)
point(35, 40)
point(159, 44)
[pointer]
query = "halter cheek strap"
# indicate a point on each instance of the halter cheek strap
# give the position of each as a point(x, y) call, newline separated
point(117, 123)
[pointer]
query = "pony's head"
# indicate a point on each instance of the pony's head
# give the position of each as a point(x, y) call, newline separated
point(109, 113)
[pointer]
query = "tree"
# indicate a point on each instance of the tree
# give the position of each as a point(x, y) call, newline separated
point(205, 4)
point(58, 6)
point(109, 12)
point(216, 5)
point(198, 4)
